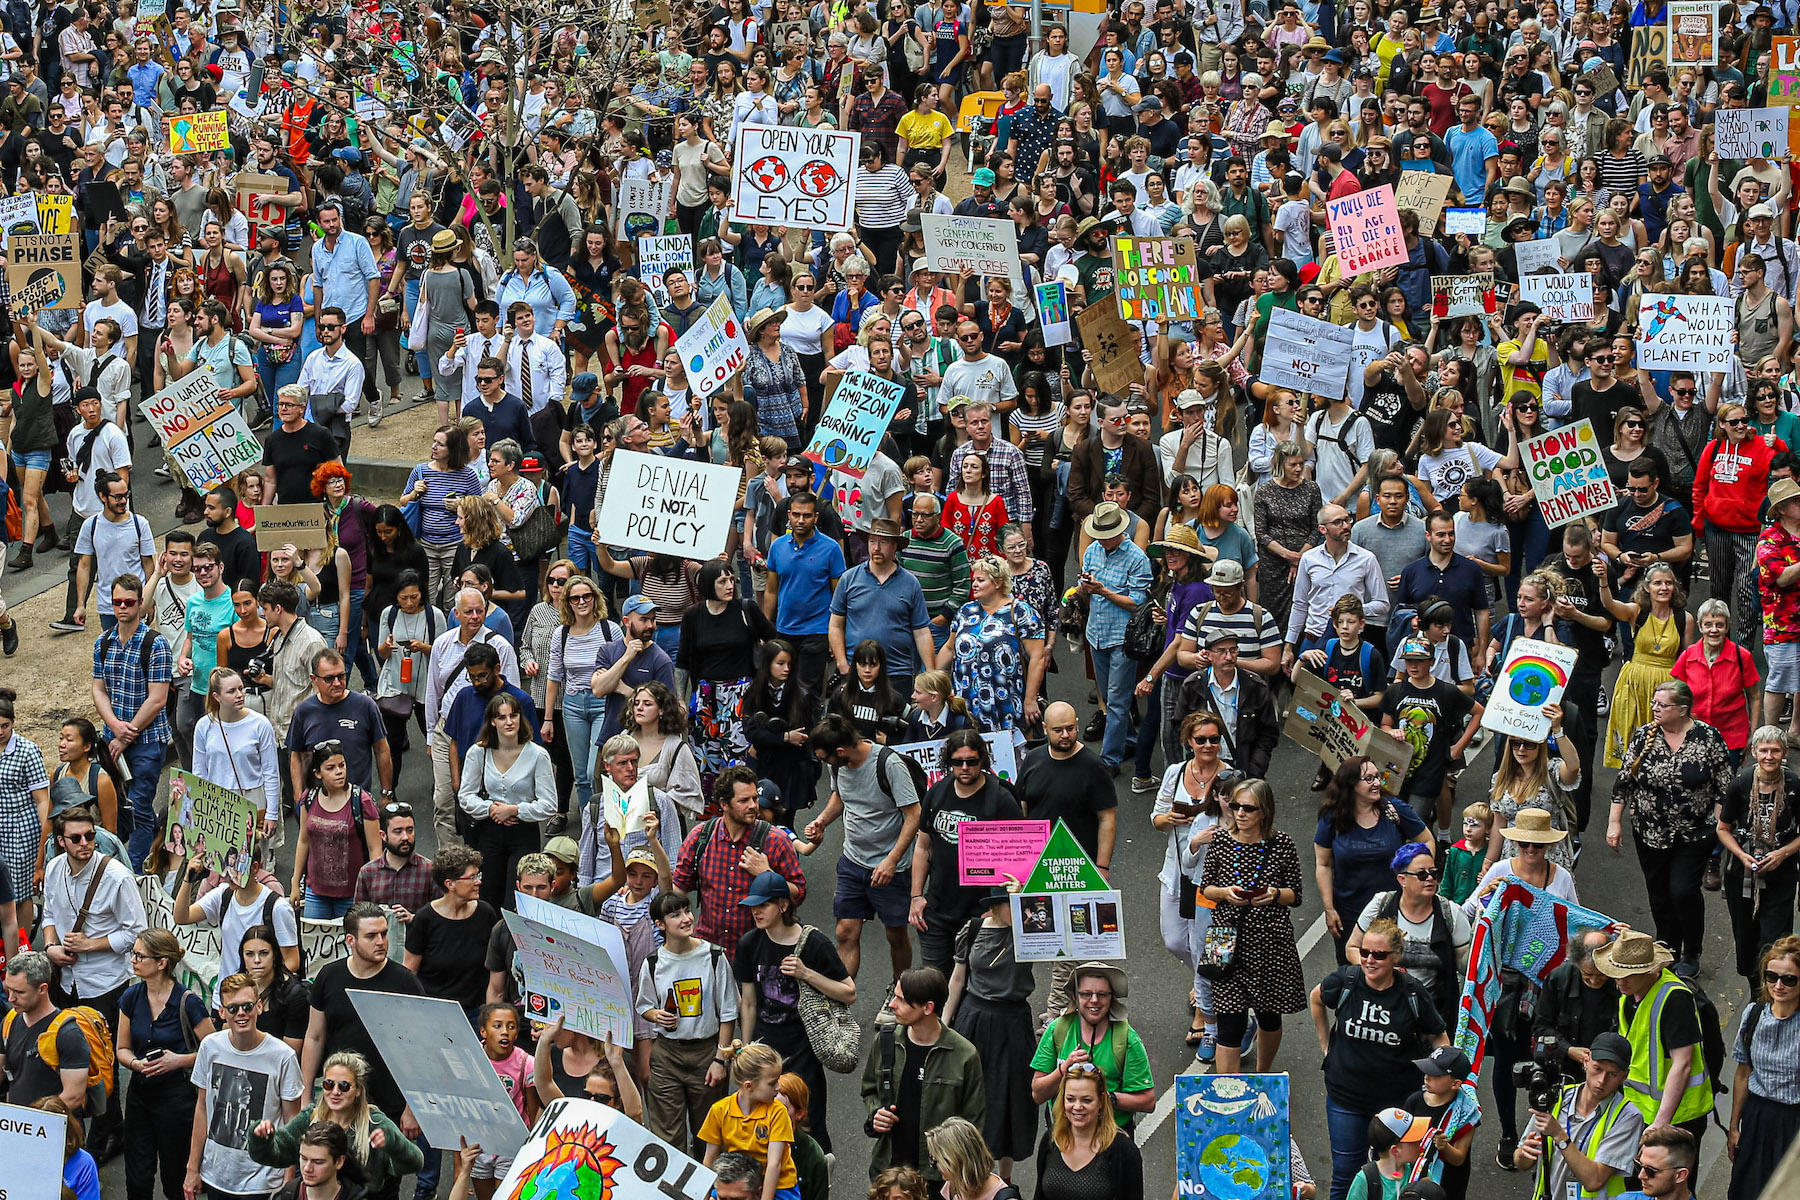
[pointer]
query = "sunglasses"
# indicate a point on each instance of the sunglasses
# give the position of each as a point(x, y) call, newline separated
point(1422, 876)
point(1249, 808)
point(1646, 1171)
point(240, 1008)
point(1780, 979)
point(1683, 391)
point(80, 838)
point(965, 762)
point(333, 327)
point(336, 1085)
point(1377, 955)
point(1206, 739)
point(397, 810)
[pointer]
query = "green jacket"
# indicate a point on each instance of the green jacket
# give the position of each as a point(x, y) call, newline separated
point(396, 1158)
point(952, 1087)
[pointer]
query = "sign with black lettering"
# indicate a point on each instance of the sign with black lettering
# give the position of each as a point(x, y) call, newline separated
point(579, 1148)
point(668, 506)
point(801, 178)
point(43, 271)
point(31, 1146)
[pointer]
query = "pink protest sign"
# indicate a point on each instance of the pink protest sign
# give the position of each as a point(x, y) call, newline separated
point(1365, 228)
point(988, 851)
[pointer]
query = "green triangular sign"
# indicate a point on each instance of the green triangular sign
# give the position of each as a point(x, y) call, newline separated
point(1065, 867)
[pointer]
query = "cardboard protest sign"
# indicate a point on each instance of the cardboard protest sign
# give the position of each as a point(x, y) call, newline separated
point(1568, 476)
point(987, 247)
point(588, 987)
point(211, 824)
point(31, 1146)
point(1784, 83)
point(780, 31)
point(666, 505)
point(801, 178)
point(1053, 313)
point(56, 212)
point(581, 1150)
point(1687, 332)
point(1002, 759)
point(1425, 193)
point(1307, 354)
point(43, 271)
point(850, 430)
point(1534, 675)
point(198, 133)
point(1542, 256)
point(18, 214)
point(1114, 345)
point(1067, 909)
point(1232, 1136)
point(1326, 721)
point(1567, 297)
point(1365, 228)
point(1693, 33)
point(1470, 221)
point(1154, 278)
point(659, 255)
point(441, 1069)
point(1462, 295)
point(713, 349)
point(301, 524)
point(1751, 132)
point(205, 436)
point(253, 189)
point(1649, 50)
point(988, 852)
point(643, 206)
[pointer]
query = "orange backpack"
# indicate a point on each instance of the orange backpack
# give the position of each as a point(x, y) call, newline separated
point(93, 1028)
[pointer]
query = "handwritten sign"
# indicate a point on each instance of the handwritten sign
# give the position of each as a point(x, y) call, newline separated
point(198, 133)
point(987, 247)
point(31, 1146)
point(1232, 1137)
point(1566, 298)
point(211, 824)
point(1326, 721)
point(1462, 295)
point(1693, 33)
point(1784, 81)
point(301, 524)
point(18, 214)
point(1534, 675)
point(667, 505)
point(850, 431)
point(1156, 278)
point(713, 349)
point(584, 983)
point(1568, 475)
point(801, 178)
point(1114, 345)
point(579, 1148)
point(1365, 228)
point(1541, 256)
point(1425, 193)
point(1751, 132)
point(43, 271)
point(1307, 354)
point(659, 255)
point(253, 192)
point(1687, 332)
point(206, 436)
point(1053, 313)
point(1649, 50)
point(56, 212)
point(643, 206)
point(1469, 221)
point(987, 852)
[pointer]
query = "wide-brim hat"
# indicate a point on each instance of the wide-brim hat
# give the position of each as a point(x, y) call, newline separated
point(886, 527)
point(1183, 537)
point(1087, 226)
point(1533, 825)
point(1517, 186)
point(1631, 953)
point(1107, 520)
point(762, 317)
point(1275, 129)
point(1121, 987)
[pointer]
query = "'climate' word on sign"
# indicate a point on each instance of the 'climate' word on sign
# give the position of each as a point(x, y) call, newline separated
point(1156, 278)
point(1568, 476)
point(668, 506)
point(795, 177)
point(1366, 231)
point(1686, 332)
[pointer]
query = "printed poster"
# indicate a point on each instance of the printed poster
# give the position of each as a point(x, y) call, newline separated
point(713, 349)
point(43, 271)
point(991, 852)
point(18, 214)
point(206, 436)
point(198, 133)
point(1751, 132)
point(986, 247)
point(1156, 278)
point(1114, 344)
point(581, 1150)
point(1307, 354)
point(1002, 759)
point(1568, 297)
point(1568, 476)
point(1535, 674)
point(643, 207)
point(588, 987)
point(1067, 909)
point(1365, 229)
point(660, 255)
point(667, 505)
point(1053, 313)
point(1231, 1137)
point(1462, 295)
point(800, 178)
point(850, 431)
point(1425, 193)
point(1693, 33)
point(1693, 333)
point(211, 824)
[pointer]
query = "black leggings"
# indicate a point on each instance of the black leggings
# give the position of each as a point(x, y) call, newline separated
point(1233, 1026)
point(1503, 1052)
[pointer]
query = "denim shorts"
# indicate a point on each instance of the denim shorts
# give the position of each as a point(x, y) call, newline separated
point(1784, 667)
point(30, 460)
point(858, 899)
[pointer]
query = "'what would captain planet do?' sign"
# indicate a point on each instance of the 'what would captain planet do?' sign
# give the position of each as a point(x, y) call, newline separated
point(667, 506)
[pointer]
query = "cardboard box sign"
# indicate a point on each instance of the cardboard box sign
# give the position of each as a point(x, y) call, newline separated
point(279, 524)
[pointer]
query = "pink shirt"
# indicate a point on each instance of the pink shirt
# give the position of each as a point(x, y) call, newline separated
point(515, 1076)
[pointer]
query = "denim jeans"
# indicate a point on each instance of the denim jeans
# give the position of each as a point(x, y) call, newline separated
point(583, 713)
point(669, 638)
point(146, 763)
point(356, 652)
point(581, 550)
point(1349, 1145)
point(1149, 731)
point(1115, 675)
point(425, 1183)
point(325, 908)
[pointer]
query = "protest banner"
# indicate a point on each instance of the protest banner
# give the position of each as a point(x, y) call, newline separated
point(31, 1145)
point(1462, 295)
point(1751, 132)
point(1567, 298)
point(1568, 476)
point(1783, 83)
point(438, 1063)
point(253, 190)
point(991, 852)
point(1114, 345)
point(667, 505)
point(198, 133)
point(56, 212)
point(713, 349)
point(1425, 193)
point(1693, 33)
point(1067, 909)
point(1539, 257)
point(206, 436)
point(1534, 675)
point(581, 982)
point(43, 271)
point(18, 214)
point(1365, 228)
point(801, 178)
point(1053, 312)
point(658, 255)
point(643, 206)
point(211, 824)
point(1156, 278)
point(853, 423)
point(1231, 1137)
point(1002, 758)
point(104, 201)
point(987, 247)
point(1687, 332)
point(582, 1150)
point(1649, 50)
point(279, 524)
point(1327, 722)
point(1307, 354)
point(1470, 221)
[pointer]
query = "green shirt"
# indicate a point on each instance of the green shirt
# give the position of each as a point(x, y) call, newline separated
point(1462, 871)
point(1359, 1185)
point(941, 566)
point(1133, 1076)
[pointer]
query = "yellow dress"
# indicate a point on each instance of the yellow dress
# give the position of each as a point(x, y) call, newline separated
point(1654, 650)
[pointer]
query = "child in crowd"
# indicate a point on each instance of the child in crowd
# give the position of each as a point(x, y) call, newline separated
point(917, 470)
point(1465, 860)
point(1398, 1138)
point(689, 994)
point(498, 1025)
point(898, 1183)
point(812, 1172)
point(937, 711)
point(751, 1120)
point(1446, 1072)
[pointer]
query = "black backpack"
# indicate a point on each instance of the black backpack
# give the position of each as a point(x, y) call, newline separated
point(917, 773)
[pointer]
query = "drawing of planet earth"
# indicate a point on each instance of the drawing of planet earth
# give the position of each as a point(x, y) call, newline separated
point(1234, 1166)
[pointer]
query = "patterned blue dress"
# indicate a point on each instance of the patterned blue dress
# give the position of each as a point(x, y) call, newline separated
point(989, 668)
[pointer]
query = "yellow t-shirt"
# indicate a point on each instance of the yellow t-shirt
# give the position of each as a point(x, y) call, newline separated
point(729, 1128)
point(923, 132)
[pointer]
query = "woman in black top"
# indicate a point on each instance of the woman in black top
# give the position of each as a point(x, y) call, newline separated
point(446, 943)
point(479, 520)
point(719, 637)
point(392, 550)
point(1083, 1154)
point(778, 710)
point(160, 1026)
point(33, 441)
point(285, 996)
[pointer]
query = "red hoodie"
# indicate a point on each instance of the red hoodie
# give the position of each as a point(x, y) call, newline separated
point(1730, 484)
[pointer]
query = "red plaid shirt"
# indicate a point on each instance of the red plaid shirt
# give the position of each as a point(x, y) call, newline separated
point(722, 882)
point(411, 887)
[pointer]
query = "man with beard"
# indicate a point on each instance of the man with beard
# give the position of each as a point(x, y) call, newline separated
point(399, 879)
point(633, 357)
point(237, 546)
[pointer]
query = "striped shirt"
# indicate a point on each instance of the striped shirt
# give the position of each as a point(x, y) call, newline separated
point(1255, 629)
point(439, 522)
point(883, 197)
point(574, 657)
point(941, 566)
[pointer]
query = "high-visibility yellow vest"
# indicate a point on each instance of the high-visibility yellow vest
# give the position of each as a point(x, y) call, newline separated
point(1650, 1060)
point(1589, 1145)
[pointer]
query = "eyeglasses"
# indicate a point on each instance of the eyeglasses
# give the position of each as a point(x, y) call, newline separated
point(1780, 979)
point(240, 1008)
point(1376, 955)
point(1646, 1171)
point(80, 838)
point(1425, 876)
point(1093, 995)
point(475, 878)
point(336, 1085)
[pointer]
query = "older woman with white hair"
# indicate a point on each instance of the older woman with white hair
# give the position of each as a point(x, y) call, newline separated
point(1723, 677)
point(997, 652)
point(1759, 827)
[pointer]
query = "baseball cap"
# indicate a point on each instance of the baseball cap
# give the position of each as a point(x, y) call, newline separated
point(770, 885)
point(1416, 648)
point(982, 178)
point(1611, 1048)
point(564, 850)
point(1403, 1125)
point(584, 385)
point(641, 855)
point(639, 605)
point(1445, 1061)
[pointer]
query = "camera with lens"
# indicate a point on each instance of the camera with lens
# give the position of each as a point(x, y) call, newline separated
point(1541, 1077)
point(258, 666)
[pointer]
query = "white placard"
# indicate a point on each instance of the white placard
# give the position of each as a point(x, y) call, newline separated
point(668, 505)
point(800, 178)
point(1470, 221)
point(1534, 675)
point(206, 436)
point(1540, 257)
point(1692, 333)
point(658, 255)
point(1077, 926)
point(582, 1149)
point(31, 1146)
point(18, 214)
point(1562, 298)
point(983, 246)
point(713, 349)
point(1307, 354)
point(643, 207)
point(1751, 132)
point(588, 987)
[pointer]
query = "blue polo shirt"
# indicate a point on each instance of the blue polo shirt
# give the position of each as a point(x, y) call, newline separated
point(1461, 583)
point(887, 612)
point(469, 710)
point(805, 576)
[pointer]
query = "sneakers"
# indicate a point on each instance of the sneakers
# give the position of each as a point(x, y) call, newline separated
point(66, 625)
point(375, 411)
point(1142, 783)
point(9, 638)
point(21, 559)
point(162, 471)
point(1503, 1153)
point(1207, 1049)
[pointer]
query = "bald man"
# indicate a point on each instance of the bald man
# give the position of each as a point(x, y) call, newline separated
point(1332, 569)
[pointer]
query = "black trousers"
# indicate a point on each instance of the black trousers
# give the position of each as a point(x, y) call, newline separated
point(156, 1139)
point(885, 243)
point(501, 847)
point(1757, 924)
point(363, 346)
point(1579, 702)
point(1677, 905)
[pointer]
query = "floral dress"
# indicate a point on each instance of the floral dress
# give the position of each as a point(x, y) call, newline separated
point(1037, 587)
point(989, 668)
point(777, 386)
point(1671, 794)
point(1552, 798)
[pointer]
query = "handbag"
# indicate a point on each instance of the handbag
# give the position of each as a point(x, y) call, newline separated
point(537, 535)
point(1218, 951)
point(419, 324)
point(833, 1034)
point(1144, 639)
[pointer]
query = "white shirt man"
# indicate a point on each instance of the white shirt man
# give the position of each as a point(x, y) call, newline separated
point(536, 367)
point(94, 951)
point(95, 445)
point(1327, 572)
point(332, 368)
point(244, 1077)
point(481, 342)
point(977, 374)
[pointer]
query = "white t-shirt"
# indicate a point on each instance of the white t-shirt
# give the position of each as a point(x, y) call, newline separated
point(1367, 345)
point(119, 548)
point(239, 918)
point(111, 451)
point(860, 501)
point(985, 379)
point(1446, 473)
point(1420, 963)
point(240, 1089)
point(805, 331)
point(118, 311)
point(1341, 449)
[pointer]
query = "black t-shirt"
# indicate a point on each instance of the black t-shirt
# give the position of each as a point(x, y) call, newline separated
point(1455, 1180)
point(344, 1029)
point(1600, 407)
point(1074, 790)
point(1670, 522)
point(295, 456)
point(904, 1139)
point(758, 963)
point(1344, 668)
point(452, 954)
point(31, 1079)
point(1375, 1037)
point(1429, 719)
point(237, 554)
point(949, 904)
point(1390, 412)
point(287, 1010)
point(1679, 1024)
point(1164, 137)
point(1584, 593)
point(502, 947)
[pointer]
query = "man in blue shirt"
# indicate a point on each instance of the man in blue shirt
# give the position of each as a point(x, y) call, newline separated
point(1474, 154)
point(621, 667)
point(1450, 577)
point(881, 600)
point(1115, 576)
point(803, 570)
point(144, 75)
point(347, 276)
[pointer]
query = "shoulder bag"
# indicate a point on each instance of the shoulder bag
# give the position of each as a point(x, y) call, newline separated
point(834, 1035)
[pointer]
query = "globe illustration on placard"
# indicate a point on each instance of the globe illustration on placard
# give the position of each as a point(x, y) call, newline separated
point(1233, 1165)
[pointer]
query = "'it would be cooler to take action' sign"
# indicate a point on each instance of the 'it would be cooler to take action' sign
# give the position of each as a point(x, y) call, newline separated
point(1568, 476)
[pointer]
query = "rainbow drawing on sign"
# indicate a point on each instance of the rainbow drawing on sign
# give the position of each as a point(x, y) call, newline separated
point(1532, 680)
